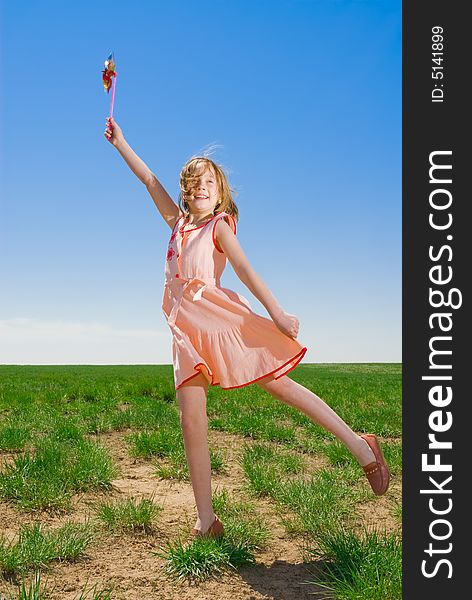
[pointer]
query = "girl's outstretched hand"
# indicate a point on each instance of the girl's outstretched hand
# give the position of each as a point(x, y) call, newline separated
point(113, 132)
point(287, 324)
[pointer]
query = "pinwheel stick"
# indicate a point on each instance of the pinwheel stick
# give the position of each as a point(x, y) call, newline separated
point(113, 95)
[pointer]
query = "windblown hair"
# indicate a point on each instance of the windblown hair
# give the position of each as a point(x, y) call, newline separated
point(189, 175)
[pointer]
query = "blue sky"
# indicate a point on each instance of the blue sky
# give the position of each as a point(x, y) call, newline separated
point(303, 99)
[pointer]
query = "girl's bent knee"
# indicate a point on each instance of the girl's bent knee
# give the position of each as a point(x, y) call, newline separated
point(273, 385)
point(265, 380)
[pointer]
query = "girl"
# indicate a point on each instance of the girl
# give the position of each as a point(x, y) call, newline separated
point(216, 337)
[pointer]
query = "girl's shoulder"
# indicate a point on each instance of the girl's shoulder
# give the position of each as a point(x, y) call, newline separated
point(178, 222)
point(225, 216)
point(222, 216)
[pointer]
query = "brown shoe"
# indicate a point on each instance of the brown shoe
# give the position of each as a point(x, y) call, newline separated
point(377, 472)
point(215, 530)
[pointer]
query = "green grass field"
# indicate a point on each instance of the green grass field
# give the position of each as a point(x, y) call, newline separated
point(71, 435)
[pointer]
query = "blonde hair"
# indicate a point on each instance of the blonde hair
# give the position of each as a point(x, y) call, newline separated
point(189, 175)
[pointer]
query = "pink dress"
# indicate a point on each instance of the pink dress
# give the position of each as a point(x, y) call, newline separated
point(214, 329)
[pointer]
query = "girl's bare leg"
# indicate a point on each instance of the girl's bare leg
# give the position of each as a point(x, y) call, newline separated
point(292, 393)
point(191, 399)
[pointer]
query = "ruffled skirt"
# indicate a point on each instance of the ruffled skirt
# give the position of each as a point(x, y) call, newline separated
point(222, 337)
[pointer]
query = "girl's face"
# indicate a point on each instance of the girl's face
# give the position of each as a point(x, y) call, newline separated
point(204, 196)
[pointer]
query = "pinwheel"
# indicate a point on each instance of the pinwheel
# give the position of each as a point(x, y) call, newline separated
point(109, 74)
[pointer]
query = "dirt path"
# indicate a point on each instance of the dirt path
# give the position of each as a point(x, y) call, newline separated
point(127, 562)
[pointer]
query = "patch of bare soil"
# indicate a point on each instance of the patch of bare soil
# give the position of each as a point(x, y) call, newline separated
point(127, 562)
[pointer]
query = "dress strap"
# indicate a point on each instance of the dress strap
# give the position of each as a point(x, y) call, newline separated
point(174, 228)
point(231, 222)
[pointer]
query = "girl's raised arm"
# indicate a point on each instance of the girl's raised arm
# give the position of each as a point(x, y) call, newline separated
point(166, 206)
point(230, 245)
